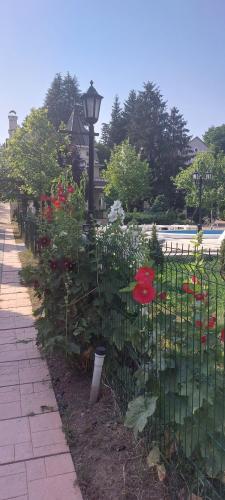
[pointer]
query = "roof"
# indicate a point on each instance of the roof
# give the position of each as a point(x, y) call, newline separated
point(197, 139)
point(77, 129)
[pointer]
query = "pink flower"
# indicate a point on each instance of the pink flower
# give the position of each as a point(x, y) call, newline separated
point(53, 265)
point(194, 279)
point(203, 339)
point(162, 296)
point(71, 189)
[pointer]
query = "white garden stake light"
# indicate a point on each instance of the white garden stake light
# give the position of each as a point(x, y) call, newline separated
point(96, 379)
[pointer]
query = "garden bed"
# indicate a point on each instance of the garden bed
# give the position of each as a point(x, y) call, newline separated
point(108, 461)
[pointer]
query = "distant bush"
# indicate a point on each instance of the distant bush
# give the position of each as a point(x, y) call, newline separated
point(169, 217)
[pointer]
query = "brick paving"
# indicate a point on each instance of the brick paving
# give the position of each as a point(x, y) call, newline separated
point(35, 461)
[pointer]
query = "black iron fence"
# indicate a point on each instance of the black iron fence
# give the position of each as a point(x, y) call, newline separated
point(166, 359)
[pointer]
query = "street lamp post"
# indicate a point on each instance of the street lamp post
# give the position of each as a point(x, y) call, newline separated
point(91, 105)
point(200, 180)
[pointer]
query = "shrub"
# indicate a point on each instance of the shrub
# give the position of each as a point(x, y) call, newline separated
point(169, 217)
point(155, 247)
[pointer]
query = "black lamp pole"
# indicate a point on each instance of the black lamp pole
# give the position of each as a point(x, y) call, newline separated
point(200, 180)
point(200, 204)
point(91, 174)
point(91, 105)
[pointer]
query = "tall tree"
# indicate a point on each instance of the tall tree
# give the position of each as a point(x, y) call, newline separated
point(31, 157)
point(102, 146)
point(116, 125)
point(214, 137)
point(127, 176)
point(213, 194)
point(61, 98)
point(129, 113)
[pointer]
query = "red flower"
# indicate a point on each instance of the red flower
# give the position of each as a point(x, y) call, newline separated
point(145, 274)
point(68, 265)
point(44, 197)
point(53, 265)
point(70, 189)
point(56, 203)
point(62, 198)
point(203, 339)
point(144, 293)
point(222, 336)
point(194, 279)
point(212, 322)
point(186, 288)
point(198, 324)
point(199, 296)
point(162, 296)
point(44, 241)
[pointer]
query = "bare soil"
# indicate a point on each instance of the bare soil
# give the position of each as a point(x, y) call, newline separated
point(109, 463)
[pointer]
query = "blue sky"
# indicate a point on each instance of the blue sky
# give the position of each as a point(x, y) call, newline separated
point(178, 44)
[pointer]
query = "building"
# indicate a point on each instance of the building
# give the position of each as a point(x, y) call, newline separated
point(197, 146)
point(79, 138)
point(12, 116)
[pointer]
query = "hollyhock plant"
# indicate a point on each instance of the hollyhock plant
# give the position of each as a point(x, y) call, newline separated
point(194, 279)
point(145, 274)
point(200, 296)
point(44, 197)
point(70, 189)
point(53, 265)
point(162, 296)
point(212, 322)
point(56, 203)
point(144, 293)
point(186, 288)
point(203, 339)
point(44, 241)
point(222, 335)
point(68, 265)
point(198, 324)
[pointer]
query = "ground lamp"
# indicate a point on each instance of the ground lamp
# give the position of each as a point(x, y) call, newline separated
point(200, 181)
point(91, 105)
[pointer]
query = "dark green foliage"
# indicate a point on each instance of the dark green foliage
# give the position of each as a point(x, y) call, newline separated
point(222, 259)
point(214, 137)
point(61, 98)
point(161, 136)
point(160, 204)
point(155, 247)
point(168, 217)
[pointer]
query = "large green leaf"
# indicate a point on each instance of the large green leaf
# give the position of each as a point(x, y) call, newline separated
point(139, 410)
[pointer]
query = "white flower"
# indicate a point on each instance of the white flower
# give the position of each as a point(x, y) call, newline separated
point(116, 212)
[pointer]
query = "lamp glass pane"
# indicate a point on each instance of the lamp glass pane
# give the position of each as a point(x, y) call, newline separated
point(90, 107)
point(97, 107)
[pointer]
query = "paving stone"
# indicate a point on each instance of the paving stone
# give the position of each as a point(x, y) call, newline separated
point(10, 410)
point(7, 454)
point(17, 485)
point(36, 469)
point(55, 488)
point(59, 464)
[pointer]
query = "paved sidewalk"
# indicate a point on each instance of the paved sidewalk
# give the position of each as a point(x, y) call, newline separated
point(35, 461)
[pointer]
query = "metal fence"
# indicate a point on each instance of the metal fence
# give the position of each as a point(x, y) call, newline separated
point(173, 349)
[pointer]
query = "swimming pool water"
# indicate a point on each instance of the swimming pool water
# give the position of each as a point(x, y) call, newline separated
point(190, 231)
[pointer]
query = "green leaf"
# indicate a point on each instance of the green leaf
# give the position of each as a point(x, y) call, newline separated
point(139, 410)
point(129, 288)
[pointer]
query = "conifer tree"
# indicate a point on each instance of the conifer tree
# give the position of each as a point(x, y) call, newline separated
point(116, 125)
point(61, 98)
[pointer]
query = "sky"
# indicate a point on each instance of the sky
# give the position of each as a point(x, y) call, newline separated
point(178, 44)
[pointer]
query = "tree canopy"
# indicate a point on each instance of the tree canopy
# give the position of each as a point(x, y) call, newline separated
point(213, 194)
point(29, 162)
point(214, 137)
point(160, 135)
point(61, 98)
point(127, 176)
